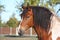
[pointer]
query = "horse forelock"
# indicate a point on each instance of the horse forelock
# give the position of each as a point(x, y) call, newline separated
point(24, 12)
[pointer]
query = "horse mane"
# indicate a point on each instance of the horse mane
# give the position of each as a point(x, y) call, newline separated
point(41, 16)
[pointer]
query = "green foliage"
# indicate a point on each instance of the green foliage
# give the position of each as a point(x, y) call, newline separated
point(31, 2)
point(49, 4)
point(18, 7)
point(26, 3)
point(3, 24)
point(55, 1)
point(12, 22)
point(0, 24)
point(2, 8)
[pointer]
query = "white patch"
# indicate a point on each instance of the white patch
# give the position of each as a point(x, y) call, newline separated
point(55, 24)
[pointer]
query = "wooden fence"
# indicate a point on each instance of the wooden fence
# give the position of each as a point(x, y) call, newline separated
point(14, 31)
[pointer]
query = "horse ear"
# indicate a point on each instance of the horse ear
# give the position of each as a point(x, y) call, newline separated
point(24, 7)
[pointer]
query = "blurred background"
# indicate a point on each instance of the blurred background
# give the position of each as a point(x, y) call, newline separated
point(10, 11)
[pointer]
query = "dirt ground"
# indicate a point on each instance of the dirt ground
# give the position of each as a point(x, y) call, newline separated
point(18, 38)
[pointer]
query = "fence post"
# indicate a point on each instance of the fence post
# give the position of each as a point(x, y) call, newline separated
point(31, 31)
point(16, 30)
point(10, 30)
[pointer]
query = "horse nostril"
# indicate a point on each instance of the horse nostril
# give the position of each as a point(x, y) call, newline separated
point(20, 33)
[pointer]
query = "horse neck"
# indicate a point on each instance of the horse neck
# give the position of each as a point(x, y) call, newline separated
point(41, 32)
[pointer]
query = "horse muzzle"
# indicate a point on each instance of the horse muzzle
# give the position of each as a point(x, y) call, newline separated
point(20, 32)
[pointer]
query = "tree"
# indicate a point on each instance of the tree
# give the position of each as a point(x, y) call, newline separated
point(27, 2)
point(48, 3)
point(0, 23)
point(1, 10)
point(32, 2)
point(55, 1)
point(12, 22)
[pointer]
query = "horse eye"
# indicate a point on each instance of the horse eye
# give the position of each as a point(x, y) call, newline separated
point(28, 16)
point(29, 10)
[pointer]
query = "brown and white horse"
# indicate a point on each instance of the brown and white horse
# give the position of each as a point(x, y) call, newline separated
point(39, 18)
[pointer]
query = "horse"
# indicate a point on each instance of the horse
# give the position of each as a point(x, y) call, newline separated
point(37, 17)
